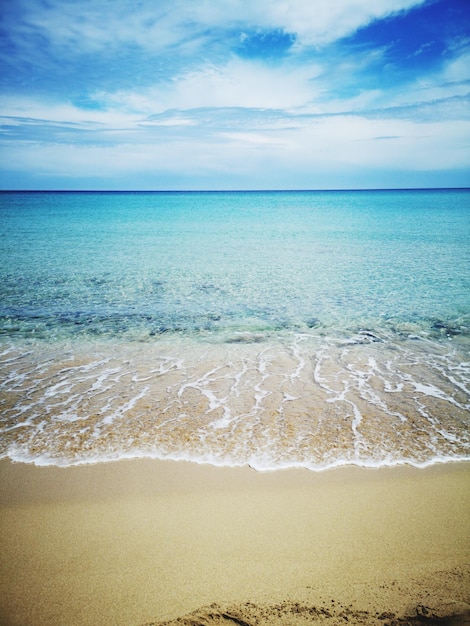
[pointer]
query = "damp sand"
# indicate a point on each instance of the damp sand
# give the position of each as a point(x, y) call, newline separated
point(145, 542)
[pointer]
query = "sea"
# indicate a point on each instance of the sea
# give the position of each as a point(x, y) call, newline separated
point(272, 329)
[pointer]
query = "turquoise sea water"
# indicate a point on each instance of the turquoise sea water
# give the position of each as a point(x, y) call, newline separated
point(277, 329)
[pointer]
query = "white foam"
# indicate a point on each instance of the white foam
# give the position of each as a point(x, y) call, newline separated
point(308, 403)
point(127, 406)
point(258, 464)
point(431, 390)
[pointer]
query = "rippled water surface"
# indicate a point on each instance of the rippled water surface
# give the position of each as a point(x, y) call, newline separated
point(277, 329)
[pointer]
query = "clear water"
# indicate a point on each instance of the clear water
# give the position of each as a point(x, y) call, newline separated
point(277, 329)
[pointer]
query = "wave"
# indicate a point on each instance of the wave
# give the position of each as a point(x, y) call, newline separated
point(291, 400)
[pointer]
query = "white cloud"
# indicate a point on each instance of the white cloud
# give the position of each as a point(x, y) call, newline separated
point(94, 25)
point(212, 113)
point(451, 80)
point(385, 143)
point(63, 112)
point(458, 69)
point(337, 143)
point(239, 83)
point(324, 21)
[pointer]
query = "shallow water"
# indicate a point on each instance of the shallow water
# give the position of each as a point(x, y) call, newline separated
point(276, 329)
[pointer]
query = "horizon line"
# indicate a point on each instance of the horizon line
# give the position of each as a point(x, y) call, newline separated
point(287, 190)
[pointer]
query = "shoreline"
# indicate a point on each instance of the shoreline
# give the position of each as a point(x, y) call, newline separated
point(142, 541)
point(43, 461)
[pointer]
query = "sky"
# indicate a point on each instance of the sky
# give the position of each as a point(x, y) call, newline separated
point(234, 94)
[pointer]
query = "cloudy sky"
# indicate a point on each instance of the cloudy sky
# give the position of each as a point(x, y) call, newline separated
point(234, 94)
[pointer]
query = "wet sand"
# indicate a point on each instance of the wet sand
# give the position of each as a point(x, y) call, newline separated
point(144, 541)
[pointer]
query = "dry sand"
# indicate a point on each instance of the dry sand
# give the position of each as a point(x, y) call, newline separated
point(137, 542)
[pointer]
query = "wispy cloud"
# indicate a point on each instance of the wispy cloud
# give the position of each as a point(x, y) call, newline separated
point(210, 94)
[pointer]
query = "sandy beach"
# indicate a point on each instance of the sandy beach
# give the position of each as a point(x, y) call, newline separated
point(140, 542)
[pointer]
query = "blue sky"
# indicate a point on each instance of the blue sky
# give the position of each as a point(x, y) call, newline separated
point(234, 94)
